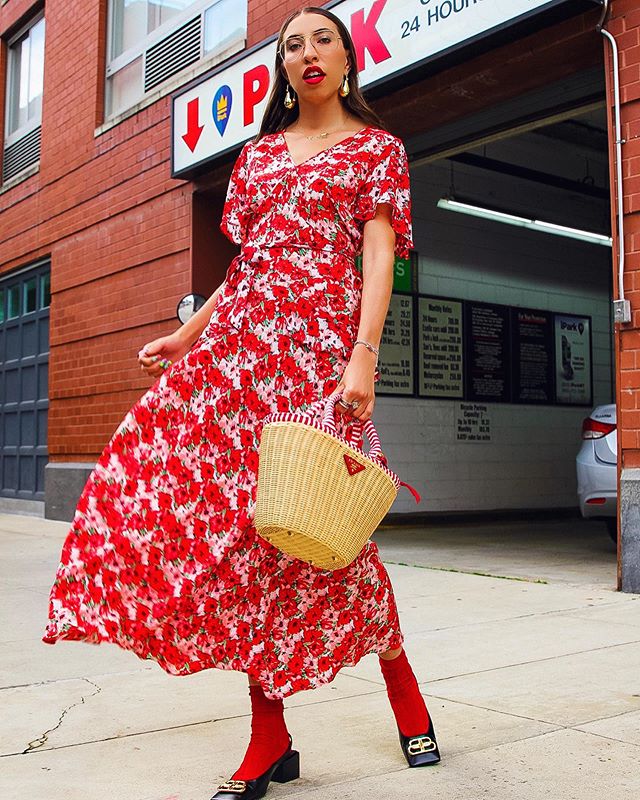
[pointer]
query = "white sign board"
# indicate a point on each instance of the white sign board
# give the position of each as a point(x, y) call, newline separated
point(440, 348)
point(390, 36)
point(473, 423)
point(396, 347)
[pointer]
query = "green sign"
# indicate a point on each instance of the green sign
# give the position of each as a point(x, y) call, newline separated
point(403, 273)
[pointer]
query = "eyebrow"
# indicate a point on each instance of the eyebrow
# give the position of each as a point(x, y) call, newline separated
point(317, 30)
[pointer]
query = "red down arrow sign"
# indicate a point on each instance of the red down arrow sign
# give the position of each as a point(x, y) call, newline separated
point(194, 130)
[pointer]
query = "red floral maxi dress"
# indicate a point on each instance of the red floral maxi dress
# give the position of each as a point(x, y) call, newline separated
point(162, 557)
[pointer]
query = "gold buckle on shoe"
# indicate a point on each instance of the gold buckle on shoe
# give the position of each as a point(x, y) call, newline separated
point(420, 744)
point(233, 785)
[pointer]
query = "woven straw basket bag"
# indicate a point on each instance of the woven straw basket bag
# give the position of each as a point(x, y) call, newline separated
point(319, 496)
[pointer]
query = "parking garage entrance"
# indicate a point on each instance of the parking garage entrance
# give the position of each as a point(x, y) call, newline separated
point(499, 339)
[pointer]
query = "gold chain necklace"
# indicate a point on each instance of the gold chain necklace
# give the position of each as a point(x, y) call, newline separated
point(318, 135)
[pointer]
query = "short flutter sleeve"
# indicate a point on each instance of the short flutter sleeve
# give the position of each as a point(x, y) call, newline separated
point(236, 206)
point(387, 181)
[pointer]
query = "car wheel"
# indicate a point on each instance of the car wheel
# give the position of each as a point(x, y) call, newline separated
point(612, 528)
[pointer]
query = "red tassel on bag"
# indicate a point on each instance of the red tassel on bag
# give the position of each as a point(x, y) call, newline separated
point(412, 490)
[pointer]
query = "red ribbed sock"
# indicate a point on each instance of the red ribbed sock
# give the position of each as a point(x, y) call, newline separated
point(269, 735)
point(406, 701)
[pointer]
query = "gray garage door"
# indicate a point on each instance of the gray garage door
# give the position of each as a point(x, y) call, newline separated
point(24, 368)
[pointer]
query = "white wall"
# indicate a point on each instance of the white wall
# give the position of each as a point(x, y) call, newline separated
point(530, 462)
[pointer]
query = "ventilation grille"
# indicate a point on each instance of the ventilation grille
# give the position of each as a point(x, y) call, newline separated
point(22, 154)
point(173, 53)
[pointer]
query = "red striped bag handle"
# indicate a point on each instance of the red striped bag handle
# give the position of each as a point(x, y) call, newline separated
point(354, 435)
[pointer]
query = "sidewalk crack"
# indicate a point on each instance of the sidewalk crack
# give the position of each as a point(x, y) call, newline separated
point(461, 571)
point(42, 740)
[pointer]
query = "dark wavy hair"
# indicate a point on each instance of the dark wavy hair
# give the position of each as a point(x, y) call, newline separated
point(276, 117)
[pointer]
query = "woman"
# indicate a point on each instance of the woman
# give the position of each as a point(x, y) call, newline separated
point(162, 558)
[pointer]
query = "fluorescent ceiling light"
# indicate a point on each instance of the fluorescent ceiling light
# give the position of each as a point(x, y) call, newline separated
point(449, 204)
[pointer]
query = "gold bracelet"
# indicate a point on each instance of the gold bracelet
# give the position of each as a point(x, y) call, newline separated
point(368, 346)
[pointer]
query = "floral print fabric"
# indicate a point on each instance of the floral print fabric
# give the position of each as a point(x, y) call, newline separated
point(162, 557)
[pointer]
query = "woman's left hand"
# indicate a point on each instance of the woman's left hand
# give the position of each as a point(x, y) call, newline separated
point(357, 383)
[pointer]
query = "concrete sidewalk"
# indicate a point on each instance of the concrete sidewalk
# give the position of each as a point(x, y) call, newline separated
point(534, 689)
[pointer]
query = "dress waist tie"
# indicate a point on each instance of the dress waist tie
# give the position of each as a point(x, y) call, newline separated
point(242, 273)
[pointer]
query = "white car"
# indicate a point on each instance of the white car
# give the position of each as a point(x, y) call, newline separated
point(597, 467)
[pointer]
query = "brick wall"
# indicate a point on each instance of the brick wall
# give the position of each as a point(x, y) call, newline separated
point(116, 227)
point(266, 17)
point(624, 24)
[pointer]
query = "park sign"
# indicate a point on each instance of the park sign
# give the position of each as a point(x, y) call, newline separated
point(219, 111)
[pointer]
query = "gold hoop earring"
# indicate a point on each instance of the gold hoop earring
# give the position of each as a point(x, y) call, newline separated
point(344, 89)
point(289, 101)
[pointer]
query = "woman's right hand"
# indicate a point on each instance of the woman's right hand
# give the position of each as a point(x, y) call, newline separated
point(158, 355)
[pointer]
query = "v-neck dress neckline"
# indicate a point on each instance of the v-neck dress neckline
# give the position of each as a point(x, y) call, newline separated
point(347, 139)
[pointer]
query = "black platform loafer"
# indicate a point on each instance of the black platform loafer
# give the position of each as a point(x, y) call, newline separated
point(421, 750)
point(286, 768)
